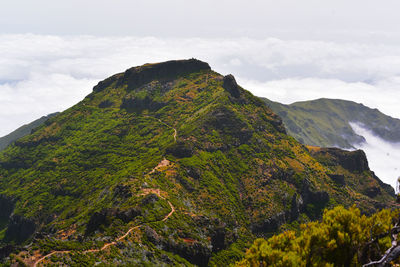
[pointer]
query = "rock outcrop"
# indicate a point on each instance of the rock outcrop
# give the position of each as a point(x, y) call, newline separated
point(138, 76)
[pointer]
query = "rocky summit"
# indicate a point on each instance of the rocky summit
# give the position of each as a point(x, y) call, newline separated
point(167, 164)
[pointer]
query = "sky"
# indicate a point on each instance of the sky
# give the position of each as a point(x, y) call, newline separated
point(53, 52)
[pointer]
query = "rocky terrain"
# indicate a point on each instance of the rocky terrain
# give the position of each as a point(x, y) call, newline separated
point(167, 163)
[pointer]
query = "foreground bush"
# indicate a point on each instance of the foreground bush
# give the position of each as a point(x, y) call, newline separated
point(344, 237)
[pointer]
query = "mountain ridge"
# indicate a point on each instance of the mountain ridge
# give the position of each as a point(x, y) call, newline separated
point(326, 122)
point(219, 156)
point(24, 130)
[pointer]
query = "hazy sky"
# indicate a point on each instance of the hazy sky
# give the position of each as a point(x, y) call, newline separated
point(53, 52)
point(207, 18)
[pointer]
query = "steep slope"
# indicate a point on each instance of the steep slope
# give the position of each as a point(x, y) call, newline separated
point(23, 131)
point(326, 122)
point(168, 163)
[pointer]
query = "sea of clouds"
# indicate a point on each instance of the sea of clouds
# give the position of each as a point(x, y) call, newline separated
point(40, 74)
point(383, 156)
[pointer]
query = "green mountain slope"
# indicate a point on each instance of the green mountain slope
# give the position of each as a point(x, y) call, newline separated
point(325, 122)
point(23, 131)
point(168, 163)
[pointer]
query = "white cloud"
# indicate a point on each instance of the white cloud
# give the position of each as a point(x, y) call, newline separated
point(383, 94)
point(42, 73)
point(383, 157)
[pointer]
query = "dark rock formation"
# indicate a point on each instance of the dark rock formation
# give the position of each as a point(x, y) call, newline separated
point(122, 191)
point(193, 172)
point(230, 85)
point(194, 252)
point(309, 202)
point(372, 191)
point(106, 104)
point(354, 161)
point(228, 123)
point(106, 216)
point(138, 104)
point(6, 207)
point(271, 224)
point(138, 76)
point(313, 201)
point(19, 229)
point(180, 150)
point(150, 199)
point(338, 178)
point(386, 187)
point(218, 238)
point(7, 250)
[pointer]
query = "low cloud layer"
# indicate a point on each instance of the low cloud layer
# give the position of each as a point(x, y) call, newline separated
point(383, 157)
point(42, 74)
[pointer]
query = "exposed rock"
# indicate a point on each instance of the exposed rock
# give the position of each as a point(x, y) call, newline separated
point(295, 207)
point(228, 123)
point(138, 76)
point(338, 178)
point(106, 104)
point(372, 191)
point(218, 238)
point(122, 191)
point(106, 216)
point(150, 199)
point(386, 187)
point(185, 183)
point(180, 150)
point(196, 252)
point(313, 201)
point(138, 104)
point(271, 224)
point(19, 229)
point(105, 83)
point(193, 172)
point(152, 235)
point(7, 250)
point(230, 85)
point(354, 161)
point(6, 207)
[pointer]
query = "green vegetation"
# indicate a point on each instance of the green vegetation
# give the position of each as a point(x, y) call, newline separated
point(325, 122)
point(84, 177)
point(23, 131)
point(343, 237)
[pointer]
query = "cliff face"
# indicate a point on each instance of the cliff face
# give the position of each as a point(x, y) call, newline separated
point(326, 122)
point(169, 163)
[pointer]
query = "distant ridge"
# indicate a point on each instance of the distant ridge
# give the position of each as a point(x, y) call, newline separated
point(326, 122)
point(23, 131)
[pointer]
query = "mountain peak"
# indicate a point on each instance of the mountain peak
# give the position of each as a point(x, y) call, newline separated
point(137, 76)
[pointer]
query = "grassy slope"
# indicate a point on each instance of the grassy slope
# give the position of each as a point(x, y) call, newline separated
point(232, 170)
point(22, 131)
point(325, 122)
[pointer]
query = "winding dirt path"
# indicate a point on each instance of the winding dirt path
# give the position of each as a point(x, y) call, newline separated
point(169, 126)
point(163, 163)
point(107, 245)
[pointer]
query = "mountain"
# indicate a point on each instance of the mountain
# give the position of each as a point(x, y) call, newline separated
point(23, 131)
point(167, 164)
point(326, 122)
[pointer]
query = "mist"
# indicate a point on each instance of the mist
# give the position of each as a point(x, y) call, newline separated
point(41, 74)
point(383, 157)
